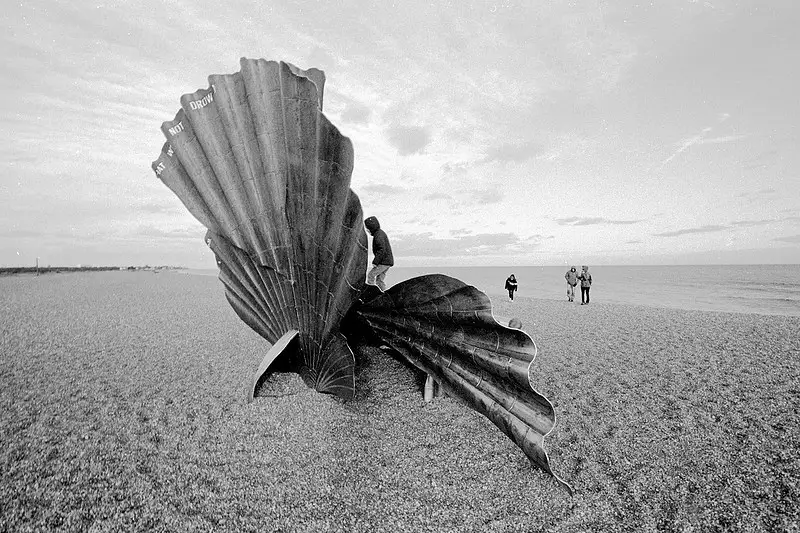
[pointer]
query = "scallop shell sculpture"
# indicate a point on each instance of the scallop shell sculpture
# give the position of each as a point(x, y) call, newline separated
point(255, 160)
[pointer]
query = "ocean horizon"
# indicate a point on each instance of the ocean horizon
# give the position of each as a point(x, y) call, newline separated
point(760, 289)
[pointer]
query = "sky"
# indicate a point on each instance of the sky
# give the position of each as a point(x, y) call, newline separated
point(485, 133)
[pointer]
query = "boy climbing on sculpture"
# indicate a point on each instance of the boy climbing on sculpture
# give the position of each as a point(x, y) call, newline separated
point(382, 251)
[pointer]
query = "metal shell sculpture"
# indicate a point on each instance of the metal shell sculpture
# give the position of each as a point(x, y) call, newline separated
point(255, 160)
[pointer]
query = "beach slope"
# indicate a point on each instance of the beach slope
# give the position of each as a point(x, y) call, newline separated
point(123, 408)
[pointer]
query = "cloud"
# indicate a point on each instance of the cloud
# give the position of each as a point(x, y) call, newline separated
point(22, 234)
point(761, 160)
point(408, 139)
point(590, 221)
point(380, 188)
point(794, 239)
point(712, 228)
point(456, 167)
point(356, 113)
point(701, 229)
point(700, 138)
point(633, 242)
point(488, 196)
point(319, 58)
point(751, 223)
point(50, 236)
point(159, 208)
point(513, 152)
point(754, 194)
point(501, 153)
point(182, 233)
point(720, 140)
point(685, 144)
point(437, 196)
point(426, 245)
point(763, 222)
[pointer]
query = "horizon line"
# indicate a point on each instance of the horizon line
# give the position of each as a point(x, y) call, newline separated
point(42, 267)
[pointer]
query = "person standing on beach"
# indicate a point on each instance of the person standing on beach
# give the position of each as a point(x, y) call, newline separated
point(572, 279)
point(586, 284)
point(511, 286)
point(382, 251)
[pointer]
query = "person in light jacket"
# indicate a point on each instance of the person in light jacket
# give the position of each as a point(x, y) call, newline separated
point(572, 279)
point(586, 284)
point(382, 251)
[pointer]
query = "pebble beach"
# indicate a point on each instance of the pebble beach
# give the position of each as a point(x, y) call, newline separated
point(123, 408)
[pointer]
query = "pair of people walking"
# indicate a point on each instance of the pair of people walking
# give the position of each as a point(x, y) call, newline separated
point(573, 277)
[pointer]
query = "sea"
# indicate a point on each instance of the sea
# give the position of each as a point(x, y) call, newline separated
point(761, 289)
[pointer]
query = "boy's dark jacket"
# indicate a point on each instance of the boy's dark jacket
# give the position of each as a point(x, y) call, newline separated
point(380, 243)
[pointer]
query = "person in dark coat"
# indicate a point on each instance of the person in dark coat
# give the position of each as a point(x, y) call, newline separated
point(511, 286)
point(586, 284)
point(382, 251)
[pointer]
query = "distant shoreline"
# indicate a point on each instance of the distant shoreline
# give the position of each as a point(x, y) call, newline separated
point(762, 290)
point(12, 271)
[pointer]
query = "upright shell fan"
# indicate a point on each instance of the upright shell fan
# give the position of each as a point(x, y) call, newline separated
point(254, 160)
